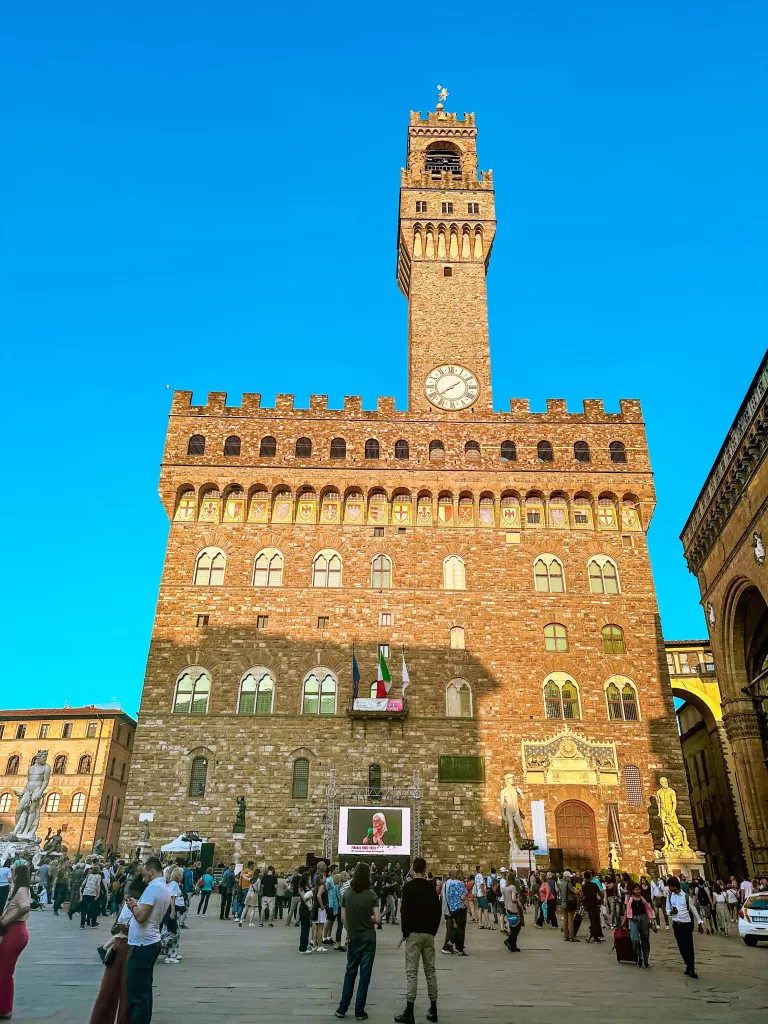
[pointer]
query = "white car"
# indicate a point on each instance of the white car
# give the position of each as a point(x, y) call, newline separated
point(753, 919)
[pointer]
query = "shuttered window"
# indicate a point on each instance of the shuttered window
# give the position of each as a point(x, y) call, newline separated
point(300, 788)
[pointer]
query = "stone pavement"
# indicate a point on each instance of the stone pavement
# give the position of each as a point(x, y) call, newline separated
point(249, 975)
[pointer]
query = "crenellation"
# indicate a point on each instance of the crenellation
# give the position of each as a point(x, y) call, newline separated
point(217, 402)
point(594, 409)
point(251, 403)
point(285, 403)
point(318, 403)
point(353, 403)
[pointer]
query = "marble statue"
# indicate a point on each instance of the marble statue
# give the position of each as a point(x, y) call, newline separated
point(613, 857)
point(30, 798)
point(509, 801)
point(144, 833)
point(239, 825)
point(675, 836)
point(98, 847)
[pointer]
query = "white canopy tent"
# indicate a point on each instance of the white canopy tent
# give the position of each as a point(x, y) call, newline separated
point(180, 845)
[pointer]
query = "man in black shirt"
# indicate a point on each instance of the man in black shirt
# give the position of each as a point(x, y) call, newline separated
point(268, 894)
point(592, 896)
point(293, 906)
point(420, 919)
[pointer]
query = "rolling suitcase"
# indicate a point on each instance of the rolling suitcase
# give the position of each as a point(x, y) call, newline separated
point(622, 943)
point(577, 919)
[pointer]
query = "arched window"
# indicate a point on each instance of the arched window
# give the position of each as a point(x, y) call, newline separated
point(52, 803)
point(84, 765)
point(621, 698)
point(454, 575)
point(78, 803)
point(196, 445)
point(436, 449)
point(581, 451)
point(209, 568)
point(381, 572)
point(548, 575)
point(326, 569)
point(472, 448)
point(458, 699)
point(555, 637)
point(304, 448)
point(319, 693)
point(544, 452)
point(374, 688)
point(12, 768)
point(300, 786)
point(374, 779)
point(508, 451)
point(401, 450)
point(371, 448)
point(561, 697)
point(232, 445)
point(617, 451)
point(198, 776)
point(457, 638)
point(59, 764)
point(633, 785)
point(603, 575)
point(5, 803)
point(338, 448)
point(613, 639)
point(257, 691)
point(268, 568)
point(193, 691)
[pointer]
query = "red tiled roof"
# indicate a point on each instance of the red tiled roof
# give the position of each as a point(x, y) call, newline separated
point(88, 711)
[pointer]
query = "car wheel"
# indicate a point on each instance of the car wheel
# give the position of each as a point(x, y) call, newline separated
point(750, 940)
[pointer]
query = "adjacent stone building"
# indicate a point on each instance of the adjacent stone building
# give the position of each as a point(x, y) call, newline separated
point(503, 555)
point(89, 751)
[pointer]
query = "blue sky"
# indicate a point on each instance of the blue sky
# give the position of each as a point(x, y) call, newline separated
point(206, 196)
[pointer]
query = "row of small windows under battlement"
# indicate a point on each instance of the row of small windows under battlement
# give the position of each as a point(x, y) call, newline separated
point(509, 512)
point(320, 692)
point(447, 242)
point(328, 568)
point(508, 451)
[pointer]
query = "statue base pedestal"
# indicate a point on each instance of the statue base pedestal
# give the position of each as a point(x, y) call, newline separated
point(143, 851)
point(27, 849)
point(674, 862)
point(518, 859)
point(238, 838)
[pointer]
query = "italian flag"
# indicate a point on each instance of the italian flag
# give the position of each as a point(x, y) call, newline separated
point(384, 680)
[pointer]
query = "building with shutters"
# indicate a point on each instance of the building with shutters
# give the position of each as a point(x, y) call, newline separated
point(501, 552)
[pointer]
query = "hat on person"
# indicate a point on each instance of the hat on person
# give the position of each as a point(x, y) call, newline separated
point(567, 874)
point(503, 871)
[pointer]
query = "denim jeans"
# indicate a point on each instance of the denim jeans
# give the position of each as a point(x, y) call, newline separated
point(360, 954)
point(639, 929)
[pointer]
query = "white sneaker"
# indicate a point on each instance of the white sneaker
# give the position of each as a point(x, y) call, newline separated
point(251, 925)
point(321, 949)
point(305, 952)
point(171, 960)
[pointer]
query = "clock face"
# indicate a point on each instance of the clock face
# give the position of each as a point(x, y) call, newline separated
point(451, 387)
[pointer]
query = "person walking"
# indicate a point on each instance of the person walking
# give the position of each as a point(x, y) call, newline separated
point(456, 896)
point(419, 921)
point(90, 895)
point(205, 885)
point(591, 895)
point(111, 1006)
point(567, 896)
point(249, 913)
point(169, 936)
point(147, 915)
point(659, 899)
point(638, 913)
point(551, 900)
point(244, 880)
point(683, 913)
point(361, 914)
point(282, 895)
point(513, 916)
point(722, 916)
point(13, 929)
point(5, 883)
point(480, 895)
point(446, 912)
point(295, 898)
point(226, 886)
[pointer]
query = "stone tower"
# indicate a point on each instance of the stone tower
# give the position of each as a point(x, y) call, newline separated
point(446, 230)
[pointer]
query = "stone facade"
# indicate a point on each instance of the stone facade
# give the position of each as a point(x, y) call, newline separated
point(463, 501)
point(91, 794)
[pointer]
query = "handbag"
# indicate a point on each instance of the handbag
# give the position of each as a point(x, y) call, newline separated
point(107, 955)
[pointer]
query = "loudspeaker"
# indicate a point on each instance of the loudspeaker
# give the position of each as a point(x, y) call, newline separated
point(555, 859)
point(206, 855)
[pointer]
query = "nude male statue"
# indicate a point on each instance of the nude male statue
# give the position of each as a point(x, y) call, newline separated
point(28, 808)
point(509, 800)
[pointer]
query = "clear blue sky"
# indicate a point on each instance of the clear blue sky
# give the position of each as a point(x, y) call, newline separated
point(205, 195)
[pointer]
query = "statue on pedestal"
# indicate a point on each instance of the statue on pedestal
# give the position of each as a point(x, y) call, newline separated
point(239, 825)
point(53, 845)
point(144, 833)
point(613, 857)
point(30, 798)
point(509, 801)
point(675, 836)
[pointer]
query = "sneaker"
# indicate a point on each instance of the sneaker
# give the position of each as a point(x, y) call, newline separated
point(339, 1014)
point(305, 952)
point(463, 952)
point(321, 949)
point(342, 949)
point(432, 1014)
point(450, 951)
point(361, 1016)
point(170, 960)
point(252, 925)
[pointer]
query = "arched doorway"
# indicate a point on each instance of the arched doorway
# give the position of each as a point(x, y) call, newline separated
point(575, 825)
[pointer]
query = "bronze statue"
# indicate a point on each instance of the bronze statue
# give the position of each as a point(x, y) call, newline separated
point(239, 825)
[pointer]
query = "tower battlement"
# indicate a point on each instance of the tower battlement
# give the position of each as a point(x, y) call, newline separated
point(442, 118)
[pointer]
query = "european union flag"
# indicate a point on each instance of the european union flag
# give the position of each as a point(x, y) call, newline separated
point(355, 677)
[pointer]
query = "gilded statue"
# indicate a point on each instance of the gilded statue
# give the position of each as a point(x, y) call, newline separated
point(675, 836)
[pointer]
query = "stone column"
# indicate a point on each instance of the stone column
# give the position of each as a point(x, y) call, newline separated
point(743, 730)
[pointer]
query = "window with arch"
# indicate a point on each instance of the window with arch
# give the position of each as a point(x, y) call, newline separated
point(196, 445)
point(193, 691)
point(458, 638)
point(621, 698)
point(319, 693)
point(268, 447)
point(12, 768)
point(338, 448)
point(198, 776)
point(303, 448)
point(548, 575)
point(454, 573)
point(371, 448)
point(544, 452)
point(257, 692)
point(633, 785)
point(59, 764)
point(374, 688)
point(300, 784)
point(561, 697)
point(472, 448)
point(209, 568)
point(508, 451)
point(78, 803)
point(436, 449)
point(613, 639)
point(603, 575)
point(374, 779)
point(5, 803)
point(52, 802)
point(326, 569)
point(458, 699)
point(381, 572)
point(581, 451)
point(401, 450)
point(555, 637)
point(268, 568)
point(232, 445)
point(617, 451)
point(84, 765)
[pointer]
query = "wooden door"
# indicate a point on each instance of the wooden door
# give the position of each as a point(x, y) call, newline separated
point(575, 824)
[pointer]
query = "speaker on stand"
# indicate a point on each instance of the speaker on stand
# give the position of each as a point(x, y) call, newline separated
point(206, 855)
point(555, 859)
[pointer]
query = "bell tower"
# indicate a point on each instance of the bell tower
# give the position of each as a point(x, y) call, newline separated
point(447, 223)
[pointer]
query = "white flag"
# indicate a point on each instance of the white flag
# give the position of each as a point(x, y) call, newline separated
point(406, 677)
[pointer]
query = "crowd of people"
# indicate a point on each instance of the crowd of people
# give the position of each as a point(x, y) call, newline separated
point(341, 908)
